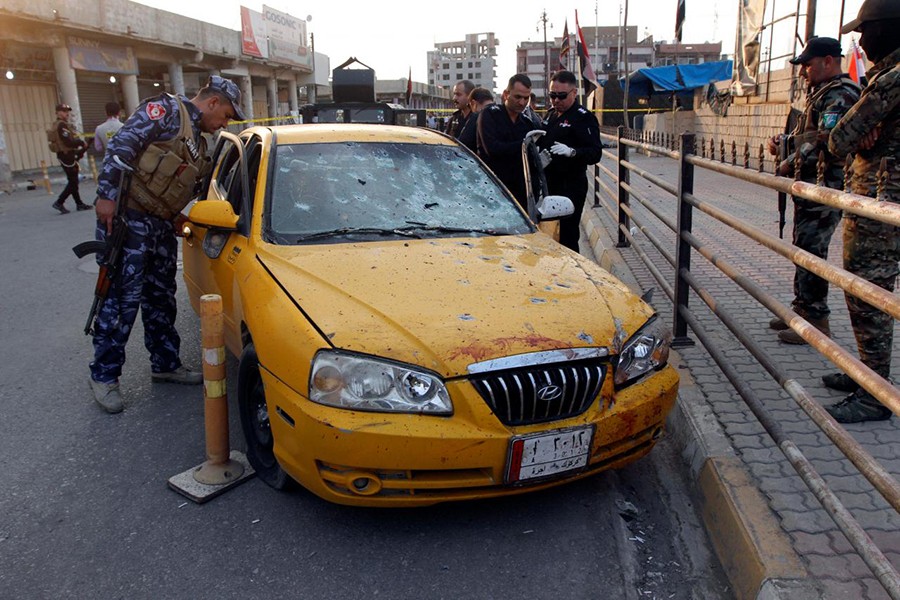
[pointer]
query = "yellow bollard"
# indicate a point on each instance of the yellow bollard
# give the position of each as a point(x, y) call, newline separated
point(46, 177)
point(93, 164)
point(219, 468)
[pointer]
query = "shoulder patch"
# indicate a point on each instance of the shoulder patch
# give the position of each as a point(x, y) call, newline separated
point(582, 110)
point(155, 111)
point(494, 107)
point(830, 119)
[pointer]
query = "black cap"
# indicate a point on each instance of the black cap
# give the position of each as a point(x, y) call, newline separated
point(818, 46)
point(873, 10)
point(63, 107)
point(230, 90)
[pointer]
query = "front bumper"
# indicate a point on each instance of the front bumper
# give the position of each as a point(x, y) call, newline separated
point(385, 459)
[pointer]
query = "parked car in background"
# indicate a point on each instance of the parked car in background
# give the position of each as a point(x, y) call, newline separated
point(406, 335)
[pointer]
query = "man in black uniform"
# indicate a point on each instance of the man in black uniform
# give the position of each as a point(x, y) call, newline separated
point(573, 138)
point(501, 130)
point(478, 99)
point(69, 148)
point(458, 119)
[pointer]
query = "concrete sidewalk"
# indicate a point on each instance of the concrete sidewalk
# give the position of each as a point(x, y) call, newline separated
point(772, 536)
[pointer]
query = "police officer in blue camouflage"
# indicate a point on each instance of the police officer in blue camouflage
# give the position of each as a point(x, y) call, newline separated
point(871, 130)
point(162, 142)
point(831, 94)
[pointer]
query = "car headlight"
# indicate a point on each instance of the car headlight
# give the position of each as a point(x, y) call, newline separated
point(647, 350)
point(363, 383)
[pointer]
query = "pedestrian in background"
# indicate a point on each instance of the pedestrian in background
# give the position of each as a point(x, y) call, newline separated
point(479, 98)
point(164, 130)
point(871, 129)
point(69, 148)
point(573, 139)
point(108, 128)
point(461, 115)
point(831, 94)
point(501, 130)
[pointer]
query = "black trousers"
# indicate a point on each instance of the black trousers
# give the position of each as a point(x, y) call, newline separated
point(71, 188)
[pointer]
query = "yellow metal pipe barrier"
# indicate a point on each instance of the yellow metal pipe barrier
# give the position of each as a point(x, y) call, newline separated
point(219, 468)
point(46, 177)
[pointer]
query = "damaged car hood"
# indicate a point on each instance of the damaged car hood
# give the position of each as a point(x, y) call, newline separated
point(447, 303)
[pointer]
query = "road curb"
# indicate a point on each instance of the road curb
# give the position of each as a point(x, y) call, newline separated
point(755, 552)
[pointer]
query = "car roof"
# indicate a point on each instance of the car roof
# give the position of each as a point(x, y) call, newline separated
point(358, 132)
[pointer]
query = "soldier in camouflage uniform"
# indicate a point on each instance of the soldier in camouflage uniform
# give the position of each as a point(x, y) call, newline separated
point(871, 129)
point(162, 141)
point(831, 94)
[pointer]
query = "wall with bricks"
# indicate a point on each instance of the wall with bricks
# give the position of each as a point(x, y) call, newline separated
point(749, 119)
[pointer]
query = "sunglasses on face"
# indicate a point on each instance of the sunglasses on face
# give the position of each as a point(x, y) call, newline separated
point(560, 95)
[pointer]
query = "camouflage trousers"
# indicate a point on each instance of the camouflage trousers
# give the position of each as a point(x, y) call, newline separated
point(872, 251)
point(147, 281)
point(813, 228)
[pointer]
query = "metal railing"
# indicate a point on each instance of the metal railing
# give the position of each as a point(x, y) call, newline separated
point(687, 244)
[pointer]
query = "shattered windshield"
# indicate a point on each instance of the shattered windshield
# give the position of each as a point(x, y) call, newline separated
point(335, 192)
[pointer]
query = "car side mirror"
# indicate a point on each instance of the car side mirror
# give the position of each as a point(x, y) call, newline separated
point(554, 207)
point(217, 214)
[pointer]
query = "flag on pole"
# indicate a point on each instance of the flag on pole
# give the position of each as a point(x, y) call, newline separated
point(857, 68)
point(409, 87)
point(564, 48)
point(679, 19)
point(584, 61)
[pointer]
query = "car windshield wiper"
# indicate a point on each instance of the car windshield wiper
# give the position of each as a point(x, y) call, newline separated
point(417, 226)
point(353, 231)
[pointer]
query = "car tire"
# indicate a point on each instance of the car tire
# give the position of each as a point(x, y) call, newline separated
point(255, 422)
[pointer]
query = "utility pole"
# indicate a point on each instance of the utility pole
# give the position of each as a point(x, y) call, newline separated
point(811, 19)
point(543, 21)
point(627, 78)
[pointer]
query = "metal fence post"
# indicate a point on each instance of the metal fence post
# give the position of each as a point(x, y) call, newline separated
point(595, 186)
point(683, 249)
point(622, 177)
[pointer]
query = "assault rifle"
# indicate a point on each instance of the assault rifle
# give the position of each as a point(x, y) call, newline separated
point(110, 250)
point(782, 197)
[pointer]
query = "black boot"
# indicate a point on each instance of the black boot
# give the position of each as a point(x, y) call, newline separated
point(858, 407)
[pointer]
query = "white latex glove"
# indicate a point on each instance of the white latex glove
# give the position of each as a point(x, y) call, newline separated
point(545, 158)
point(534, 134)
point(561, 149)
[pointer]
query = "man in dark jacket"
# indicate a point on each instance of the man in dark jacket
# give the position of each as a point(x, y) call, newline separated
point(573, 138)
point(69, 150)
point(501, 130)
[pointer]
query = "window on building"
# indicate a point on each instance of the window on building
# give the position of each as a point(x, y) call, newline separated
point(446, 77)
point(446, 65)
point(459, 76)
point(477, 64)
point(470, 64)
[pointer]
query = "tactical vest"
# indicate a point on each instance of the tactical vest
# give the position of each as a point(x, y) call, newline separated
point(53, 137)
point(807, 122)
point(167, 172)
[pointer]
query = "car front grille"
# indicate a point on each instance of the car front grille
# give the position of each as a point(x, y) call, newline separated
point(541, 393)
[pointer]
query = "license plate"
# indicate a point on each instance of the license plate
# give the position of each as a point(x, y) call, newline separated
point(546, 454)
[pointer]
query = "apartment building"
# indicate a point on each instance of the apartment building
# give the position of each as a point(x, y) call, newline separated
point(473, 58)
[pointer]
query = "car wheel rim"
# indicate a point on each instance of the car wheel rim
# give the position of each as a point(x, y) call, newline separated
point(262, 428)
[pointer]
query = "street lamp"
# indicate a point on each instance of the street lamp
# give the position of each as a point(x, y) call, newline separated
point(543, 20)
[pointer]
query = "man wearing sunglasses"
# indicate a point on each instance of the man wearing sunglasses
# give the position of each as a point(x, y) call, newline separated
point(573, 138)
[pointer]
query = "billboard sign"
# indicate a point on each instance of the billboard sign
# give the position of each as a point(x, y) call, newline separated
point(287, 37)
point(253, 34)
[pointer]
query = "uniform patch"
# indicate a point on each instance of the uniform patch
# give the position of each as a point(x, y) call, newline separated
point(155, 111)
point(830, 119)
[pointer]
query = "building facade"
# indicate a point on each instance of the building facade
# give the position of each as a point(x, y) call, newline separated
point(473, 58)
point(678, 53)
point(91, 52)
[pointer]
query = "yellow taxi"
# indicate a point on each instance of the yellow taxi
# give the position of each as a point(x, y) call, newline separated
point(405, 334)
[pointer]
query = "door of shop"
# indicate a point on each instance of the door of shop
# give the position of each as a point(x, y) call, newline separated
point(26, 110)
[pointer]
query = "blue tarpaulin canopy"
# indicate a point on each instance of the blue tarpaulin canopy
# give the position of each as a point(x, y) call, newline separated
point(676, 78)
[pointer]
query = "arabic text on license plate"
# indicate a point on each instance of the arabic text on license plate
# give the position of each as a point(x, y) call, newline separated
point(547, 454)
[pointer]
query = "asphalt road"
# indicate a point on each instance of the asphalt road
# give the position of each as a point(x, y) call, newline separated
point(85, 511)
